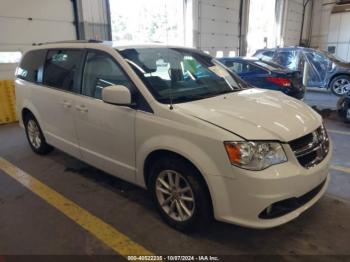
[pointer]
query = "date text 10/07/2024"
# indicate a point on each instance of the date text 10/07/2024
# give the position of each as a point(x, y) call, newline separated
point(173, 258)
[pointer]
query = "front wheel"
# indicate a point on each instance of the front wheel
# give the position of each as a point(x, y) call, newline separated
point(340, 85)
point(35, 136)
point(179, 194)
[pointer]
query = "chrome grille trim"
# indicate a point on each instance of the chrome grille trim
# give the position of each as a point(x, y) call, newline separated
point(311, 149)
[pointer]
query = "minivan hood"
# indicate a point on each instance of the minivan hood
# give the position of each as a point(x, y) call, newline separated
point(256, 114)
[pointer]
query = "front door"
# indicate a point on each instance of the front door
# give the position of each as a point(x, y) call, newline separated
point(318, 68)
point(105, 132)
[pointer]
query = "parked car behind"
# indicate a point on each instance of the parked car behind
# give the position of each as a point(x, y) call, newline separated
point(267, 75)
point(325, 70)
point(343, 107)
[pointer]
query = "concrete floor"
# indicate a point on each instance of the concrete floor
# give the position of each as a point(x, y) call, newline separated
point(28, 225)
point(321, 97)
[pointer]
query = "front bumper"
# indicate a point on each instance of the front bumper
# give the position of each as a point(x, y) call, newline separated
point(242, 198)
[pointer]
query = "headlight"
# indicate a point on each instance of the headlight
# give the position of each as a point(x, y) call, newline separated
point(255, 155)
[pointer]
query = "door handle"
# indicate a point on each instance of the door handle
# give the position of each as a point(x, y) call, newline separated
point(66, 104)
point(81, 108)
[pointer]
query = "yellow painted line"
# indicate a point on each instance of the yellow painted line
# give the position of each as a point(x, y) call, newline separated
point(119, 242)
point(341, 169)
point(339, 132)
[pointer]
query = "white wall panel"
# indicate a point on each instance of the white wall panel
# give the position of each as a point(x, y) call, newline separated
point(19, 33)
point(339, 34)
point(24, 22)
point(218, 25)
point(292, 20)
point(342, 50)
point(331, 29)
point(344, 28)
point(40, 9)
point(334, 28)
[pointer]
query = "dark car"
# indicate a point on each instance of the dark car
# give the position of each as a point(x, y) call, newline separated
point(344, 107)
point(267, 75)
point(325, 70)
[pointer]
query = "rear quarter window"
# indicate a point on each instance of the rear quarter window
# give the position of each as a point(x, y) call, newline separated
point(31, 66)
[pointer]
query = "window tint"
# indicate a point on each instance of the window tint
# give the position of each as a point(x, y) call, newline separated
point(269, 65)
point(229, 63)
point(266, 55)
point(101, 71)
point(242, 67)
point(31, 66)
point(287, 59)
point(190, 75)
point(238, 67)
point(61, 67)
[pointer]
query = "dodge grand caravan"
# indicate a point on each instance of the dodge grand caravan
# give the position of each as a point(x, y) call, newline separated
point(177, 122)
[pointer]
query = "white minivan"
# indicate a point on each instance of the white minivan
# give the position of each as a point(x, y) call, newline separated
point(176, 121)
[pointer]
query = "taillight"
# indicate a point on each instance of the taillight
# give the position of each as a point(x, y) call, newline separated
point(279, 81)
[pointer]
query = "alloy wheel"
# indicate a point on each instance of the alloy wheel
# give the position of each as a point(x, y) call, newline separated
point(341, 86)
point(34, 134)
point(175, 195)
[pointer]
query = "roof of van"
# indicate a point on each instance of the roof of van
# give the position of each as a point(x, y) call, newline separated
point(113, 44)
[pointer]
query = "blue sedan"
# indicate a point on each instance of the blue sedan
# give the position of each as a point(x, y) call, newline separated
point(267, 75)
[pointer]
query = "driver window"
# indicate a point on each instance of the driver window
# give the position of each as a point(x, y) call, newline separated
point(101, 71)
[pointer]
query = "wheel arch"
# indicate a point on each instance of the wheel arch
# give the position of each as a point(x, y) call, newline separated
point(29, 108)
point(336, 75)
point(158, 153)
point(26, 112)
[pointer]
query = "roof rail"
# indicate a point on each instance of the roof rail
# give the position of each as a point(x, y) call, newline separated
point(70, 42)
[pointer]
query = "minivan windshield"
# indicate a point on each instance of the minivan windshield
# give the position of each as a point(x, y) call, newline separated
point(177, 75)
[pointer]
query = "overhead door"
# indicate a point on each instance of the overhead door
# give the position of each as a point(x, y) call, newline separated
point(23, 23)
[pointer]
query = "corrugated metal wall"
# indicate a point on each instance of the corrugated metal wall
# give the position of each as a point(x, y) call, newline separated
point(94, 19)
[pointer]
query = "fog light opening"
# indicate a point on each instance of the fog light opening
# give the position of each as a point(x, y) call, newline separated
point(269, 209)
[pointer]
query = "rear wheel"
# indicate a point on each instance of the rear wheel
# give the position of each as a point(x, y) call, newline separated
point(340, 85)
point(35, 136)
point(179, 194)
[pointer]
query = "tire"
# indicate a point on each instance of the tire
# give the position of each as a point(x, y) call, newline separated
point(336, 84)
point(35, 136)
point(200, 210)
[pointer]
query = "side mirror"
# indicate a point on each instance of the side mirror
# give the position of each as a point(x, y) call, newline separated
point(116, 94)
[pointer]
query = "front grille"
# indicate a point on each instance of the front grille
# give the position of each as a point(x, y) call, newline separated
point(286, 206)
point(312, 148)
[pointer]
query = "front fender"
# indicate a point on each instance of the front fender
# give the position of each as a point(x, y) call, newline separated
point(178, 145)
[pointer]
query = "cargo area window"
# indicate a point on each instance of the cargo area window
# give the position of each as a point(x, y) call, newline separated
point(31, 66)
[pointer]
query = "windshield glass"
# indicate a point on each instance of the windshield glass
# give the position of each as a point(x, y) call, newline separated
point(180, 75)
point(269, 65)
